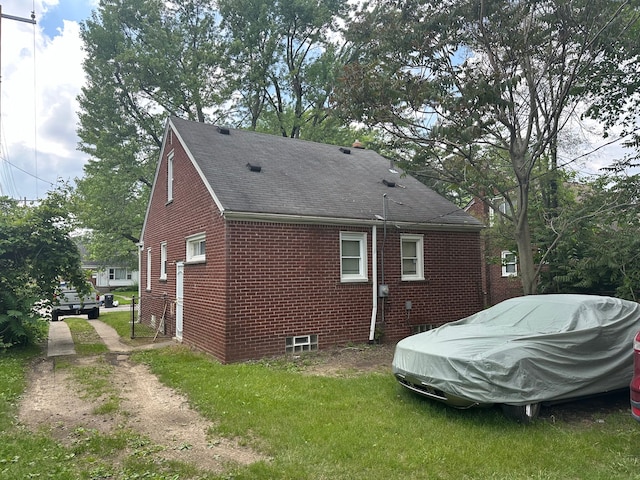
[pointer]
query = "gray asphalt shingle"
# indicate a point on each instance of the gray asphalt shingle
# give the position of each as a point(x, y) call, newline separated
point(304, 178)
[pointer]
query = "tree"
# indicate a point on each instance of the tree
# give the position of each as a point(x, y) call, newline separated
point(481, 89)
point(146, 59)
point(283, 59)
point(602, 254)
point(269, 66)
point(35, 253)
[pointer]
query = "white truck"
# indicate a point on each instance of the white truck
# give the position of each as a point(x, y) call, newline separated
point(68, 302)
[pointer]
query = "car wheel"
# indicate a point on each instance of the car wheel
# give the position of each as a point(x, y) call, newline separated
point(94, 314)
point(522, 413)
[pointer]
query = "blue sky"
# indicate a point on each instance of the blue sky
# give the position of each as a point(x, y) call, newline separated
point(70, 10)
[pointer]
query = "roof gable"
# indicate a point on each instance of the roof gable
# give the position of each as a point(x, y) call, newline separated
point(306, 179)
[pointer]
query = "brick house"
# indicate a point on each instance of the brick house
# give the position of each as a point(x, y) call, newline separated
point(500, 280)
point(256, 245)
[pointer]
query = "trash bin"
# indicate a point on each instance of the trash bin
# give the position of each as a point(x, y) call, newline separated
point(108, 300)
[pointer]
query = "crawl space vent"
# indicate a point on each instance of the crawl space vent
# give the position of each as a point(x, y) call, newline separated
point(223, 130)
point(254, 168)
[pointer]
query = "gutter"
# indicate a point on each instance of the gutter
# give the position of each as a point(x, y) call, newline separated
point(318, 220)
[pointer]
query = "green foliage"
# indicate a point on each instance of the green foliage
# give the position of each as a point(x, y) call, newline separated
point(482, 90)
point(601, 252)
point(140, 68)
point(35, 253)
point(256, 64)
point(283, 61)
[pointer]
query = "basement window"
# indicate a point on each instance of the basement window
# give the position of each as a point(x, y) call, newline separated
point(423, 328)
point(301, 343)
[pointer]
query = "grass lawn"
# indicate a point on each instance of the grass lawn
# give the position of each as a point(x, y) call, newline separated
point(123, 297)
point(319, 427)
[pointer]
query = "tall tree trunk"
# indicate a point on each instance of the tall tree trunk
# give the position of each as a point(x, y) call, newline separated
point(523, 241)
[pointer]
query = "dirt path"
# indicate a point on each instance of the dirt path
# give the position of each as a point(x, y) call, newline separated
point(54, 402)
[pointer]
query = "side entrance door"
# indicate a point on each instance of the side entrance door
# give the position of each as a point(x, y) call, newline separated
point(179, 298)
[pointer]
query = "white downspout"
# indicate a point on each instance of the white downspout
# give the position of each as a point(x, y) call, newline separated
point(374, 273)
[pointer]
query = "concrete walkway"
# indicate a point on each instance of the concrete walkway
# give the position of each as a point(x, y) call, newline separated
point(61, 343)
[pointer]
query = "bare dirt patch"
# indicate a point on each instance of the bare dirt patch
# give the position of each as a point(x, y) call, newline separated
point(53, 402)
point(349, 360)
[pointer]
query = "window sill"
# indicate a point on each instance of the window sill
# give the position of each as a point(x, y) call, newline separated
point(348, 281)
point(195, 262)
point(413, 279)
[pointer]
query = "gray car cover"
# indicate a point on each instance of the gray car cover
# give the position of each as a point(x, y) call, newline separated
point(529, 349)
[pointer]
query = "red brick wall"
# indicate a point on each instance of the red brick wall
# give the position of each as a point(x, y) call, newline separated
point(264, 282)
point(285, 281)
point(496, 288)
point(192, 211)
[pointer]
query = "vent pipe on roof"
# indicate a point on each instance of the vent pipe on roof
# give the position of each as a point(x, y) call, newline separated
point(346, 151)
point(254, 168)
point(223, 130)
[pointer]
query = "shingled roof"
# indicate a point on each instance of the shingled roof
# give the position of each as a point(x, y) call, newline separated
point(255, 174)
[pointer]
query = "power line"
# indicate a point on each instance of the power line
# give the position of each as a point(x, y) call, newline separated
point(32, 21)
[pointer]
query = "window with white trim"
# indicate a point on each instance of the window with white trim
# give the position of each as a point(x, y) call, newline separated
point(170, 177)
point(148, 268)
point(163, 261)
point(353, 256)
point(412, 252)
point(118, 273)
point(509, 262)
point(196, 248)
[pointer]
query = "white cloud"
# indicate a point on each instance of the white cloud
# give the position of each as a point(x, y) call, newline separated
point(41, 78)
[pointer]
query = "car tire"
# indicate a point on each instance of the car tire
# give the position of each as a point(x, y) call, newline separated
point(94, 314)
point(522, 413)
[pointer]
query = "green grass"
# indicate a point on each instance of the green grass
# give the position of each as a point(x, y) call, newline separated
point(368, 427)
point(85, 338)
point(124, 296)
point(121, 322)
point(312, 427)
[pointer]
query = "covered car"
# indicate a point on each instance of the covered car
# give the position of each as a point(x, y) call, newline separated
point(523, 352)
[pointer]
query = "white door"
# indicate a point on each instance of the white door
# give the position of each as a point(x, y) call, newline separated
point(179, 298)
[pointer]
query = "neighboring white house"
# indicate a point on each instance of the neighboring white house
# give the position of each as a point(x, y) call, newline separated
point(113, 277)
point(109, 277)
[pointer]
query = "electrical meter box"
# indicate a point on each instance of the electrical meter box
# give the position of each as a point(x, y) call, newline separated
point(383, 291)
